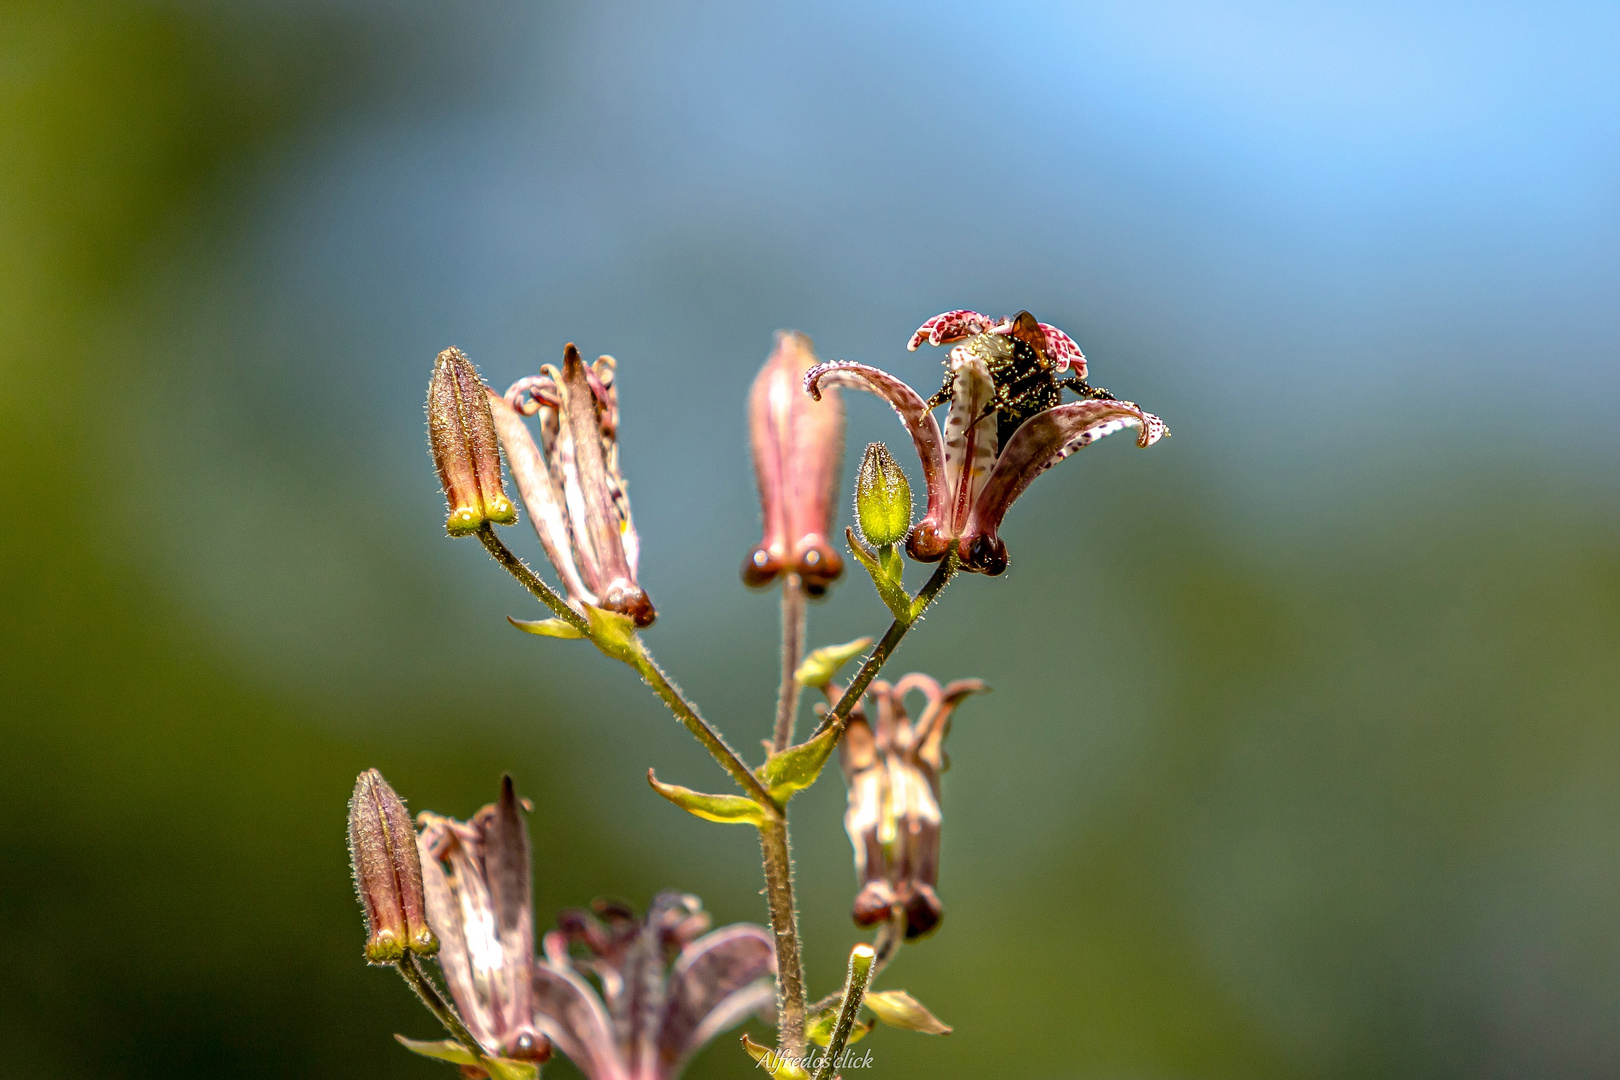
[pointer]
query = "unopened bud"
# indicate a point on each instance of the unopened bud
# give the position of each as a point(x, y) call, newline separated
point(462, 433)
point(882, 497)
point(387, 872)
point(798, 449)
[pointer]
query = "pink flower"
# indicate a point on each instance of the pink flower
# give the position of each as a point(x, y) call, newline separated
point(476, 876)
point(575, 493)
point(666, 990)
point(798, 447)
point(988, 452)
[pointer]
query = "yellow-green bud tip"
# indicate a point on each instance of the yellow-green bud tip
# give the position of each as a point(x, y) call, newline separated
point(461, 431)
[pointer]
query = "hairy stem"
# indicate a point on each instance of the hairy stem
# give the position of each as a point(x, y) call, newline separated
point(887, 946)
point(531, 581)
point(773, 843)
point(787, 695)
point(687, 714)
point(413, 974)
point(839, 716)
point(855, 983)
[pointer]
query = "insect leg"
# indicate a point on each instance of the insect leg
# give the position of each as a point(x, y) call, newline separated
point(1085, 390)
point(944, 394)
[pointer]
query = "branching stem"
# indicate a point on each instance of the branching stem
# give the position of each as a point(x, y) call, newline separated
point(717, 747)
point(839, 716)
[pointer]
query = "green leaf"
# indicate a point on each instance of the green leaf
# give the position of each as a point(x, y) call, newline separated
point(614, 634)
point(453, 1052)
point(899, 1009)
point(546, 627)
point(820, 666)
point(778, 1067)
point(892, 592)
point(797, 767)
point(726, 809)
point(819, 1029)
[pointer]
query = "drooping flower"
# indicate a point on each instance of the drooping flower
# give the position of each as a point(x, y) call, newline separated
point(574, 492)
point(665, 990)
point(972, 475)
point(798, 448)
point(477, 879)
point(892, 767)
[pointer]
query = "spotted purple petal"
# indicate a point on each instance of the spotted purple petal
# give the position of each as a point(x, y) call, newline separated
point(1044, 440)
point(950, 326)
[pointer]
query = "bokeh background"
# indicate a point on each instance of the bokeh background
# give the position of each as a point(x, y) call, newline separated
point(1304, 754)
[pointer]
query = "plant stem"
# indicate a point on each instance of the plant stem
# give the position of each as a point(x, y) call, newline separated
point(773, 843)
point(839, 716)
point(687, 714)
point(787, 695)
point(684, 711)
point(531, 581)
point(860, 974)
point(418, 980)
point(886, 944)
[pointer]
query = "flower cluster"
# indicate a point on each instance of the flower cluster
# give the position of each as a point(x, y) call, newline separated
point(667, 986)
point(628, 997)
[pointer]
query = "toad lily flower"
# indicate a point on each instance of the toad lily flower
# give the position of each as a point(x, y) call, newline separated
point(798, 448)
point(893, 818)
point(1004, 426)
point(476, 875)
point(667, 990)
point(574, 491)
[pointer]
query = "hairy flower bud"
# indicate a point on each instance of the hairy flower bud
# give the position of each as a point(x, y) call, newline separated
point(798, 447)
point(882, 497)
point(462, 433)
point(387, 872)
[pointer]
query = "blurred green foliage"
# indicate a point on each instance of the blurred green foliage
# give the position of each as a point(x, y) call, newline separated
point(1329, 793)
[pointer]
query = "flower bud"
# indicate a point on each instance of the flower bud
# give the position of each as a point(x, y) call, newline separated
point(798, 446)
point(387, 872)
point(462, 433)
point(882, 497)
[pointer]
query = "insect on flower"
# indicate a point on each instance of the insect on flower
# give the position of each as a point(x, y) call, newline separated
point(1024, 359)
point(973, 470)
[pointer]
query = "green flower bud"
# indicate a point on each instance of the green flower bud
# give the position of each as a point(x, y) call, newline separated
point(462, 432)
point(882, 497)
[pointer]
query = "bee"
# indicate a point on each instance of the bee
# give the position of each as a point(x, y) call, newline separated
point(1024, 358)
